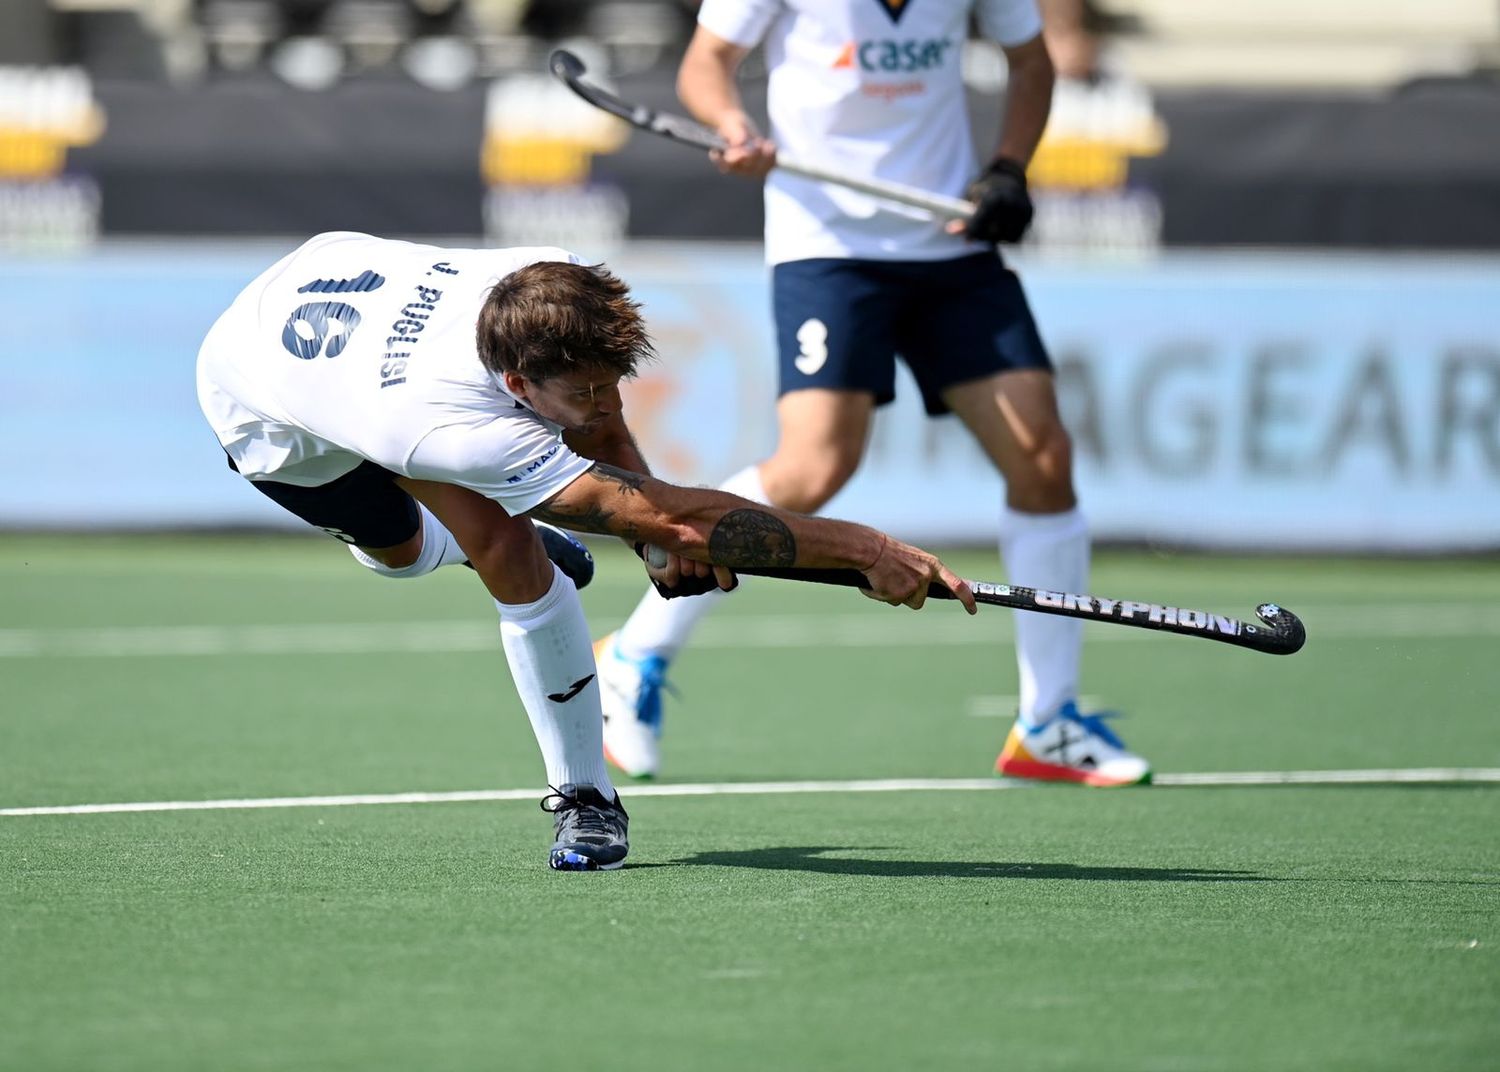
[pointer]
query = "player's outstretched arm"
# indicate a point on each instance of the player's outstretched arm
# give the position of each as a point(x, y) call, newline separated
point(713, 526)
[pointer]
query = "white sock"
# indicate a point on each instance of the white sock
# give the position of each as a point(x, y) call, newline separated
point(552, 663)
point(663, 626)
point(439, 548)
point(1049, 552)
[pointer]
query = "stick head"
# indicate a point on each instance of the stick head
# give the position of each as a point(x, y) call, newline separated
point(1284, 633)
point(565, 65)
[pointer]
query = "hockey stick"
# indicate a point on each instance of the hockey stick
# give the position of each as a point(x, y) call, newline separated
point(569, 68)
point(1280, 633)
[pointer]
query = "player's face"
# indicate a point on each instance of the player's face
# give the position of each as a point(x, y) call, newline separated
point(579, 401)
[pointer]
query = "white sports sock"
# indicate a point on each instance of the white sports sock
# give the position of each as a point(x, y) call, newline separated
point(439, 548)
point(663, 626)
point(1049, 552)
point(552, 663)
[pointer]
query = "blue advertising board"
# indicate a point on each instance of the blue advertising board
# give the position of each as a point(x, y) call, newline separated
point(1240, 400)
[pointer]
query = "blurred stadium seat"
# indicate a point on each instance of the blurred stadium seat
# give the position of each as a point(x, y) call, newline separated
point(314, 43)
point(1274, 44)
point(1298, 45)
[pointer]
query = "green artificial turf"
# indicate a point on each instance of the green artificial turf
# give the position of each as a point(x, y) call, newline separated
point(1164, 928)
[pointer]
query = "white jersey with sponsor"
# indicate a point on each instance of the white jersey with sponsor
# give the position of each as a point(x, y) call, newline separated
point(871, 87)
point(355, 348)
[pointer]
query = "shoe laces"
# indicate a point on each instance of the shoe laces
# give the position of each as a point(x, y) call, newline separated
point(581, 816)
point(1095, 724)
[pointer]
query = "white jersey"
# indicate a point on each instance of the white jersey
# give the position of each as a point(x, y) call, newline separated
point(875, 88)
point(355, 348)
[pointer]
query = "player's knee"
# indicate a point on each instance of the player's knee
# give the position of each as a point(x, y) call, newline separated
point(1042, 480)
point(806, 486)
point(1055, 459)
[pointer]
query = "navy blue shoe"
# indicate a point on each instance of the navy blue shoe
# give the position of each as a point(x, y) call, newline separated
point(567, 554)
point(592, 832)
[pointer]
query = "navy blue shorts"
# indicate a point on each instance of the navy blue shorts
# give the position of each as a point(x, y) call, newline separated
point(840, 324)
point(363, 507)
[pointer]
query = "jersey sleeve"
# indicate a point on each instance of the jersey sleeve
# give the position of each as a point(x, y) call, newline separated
point(518, 463)
point(740, 22)
point(1009, 22)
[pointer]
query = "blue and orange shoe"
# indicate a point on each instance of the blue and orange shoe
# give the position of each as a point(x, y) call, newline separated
point(630, 693)
point(1071, 748)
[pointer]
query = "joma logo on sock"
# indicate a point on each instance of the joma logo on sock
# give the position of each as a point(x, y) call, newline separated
point(573, 690)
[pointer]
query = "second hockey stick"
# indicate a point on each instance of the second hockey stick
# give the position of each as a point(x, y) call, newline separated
point(570, 69)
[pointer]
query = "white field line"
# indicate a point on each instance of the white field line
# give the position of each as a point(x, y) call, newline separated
point(1399, 776)
point(939, 626)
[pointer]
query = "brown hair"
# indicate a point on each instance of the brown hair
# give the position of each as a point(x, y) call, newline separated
point(553, 317)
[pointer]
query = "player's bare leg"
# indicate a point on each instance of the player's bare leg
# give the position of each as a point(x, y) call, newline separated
point(1044, 544)
point(505, 551)
point(1014, 417)
point(546, 641)
point(822, 438)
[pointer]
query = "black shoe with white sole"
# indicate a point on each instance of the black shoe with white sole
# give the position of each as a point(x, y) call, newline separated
point(592, 832)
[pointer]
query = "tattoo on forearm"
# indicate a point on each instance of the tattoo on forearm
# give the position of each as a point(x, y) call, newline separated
point(752, 538)
point(630, 483)
point(593, 517)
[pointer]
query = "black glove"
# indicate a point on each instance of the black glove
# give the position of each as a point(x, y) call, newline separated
point(686, 586)
point(1002, 207)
